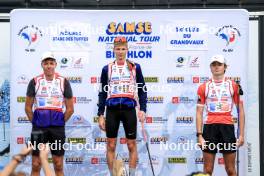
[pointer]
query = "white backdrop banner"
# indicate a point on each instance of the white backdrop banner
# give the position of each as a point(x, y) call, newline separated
point(173, 48)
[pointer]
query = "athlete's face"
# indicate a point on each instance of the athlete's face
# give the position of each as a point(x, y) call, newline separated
point(49, 66)
point(120, 52)
point(217, 68)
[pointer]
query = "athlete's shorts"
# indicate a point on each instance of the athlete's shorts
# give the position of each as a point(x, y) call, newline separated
point(127, 116)
point(219, 137)
point(54, 135)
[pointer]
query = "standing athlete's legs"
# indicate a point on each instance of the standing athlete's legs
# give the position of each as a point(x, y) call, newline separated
point(58, 165)
point(129, 119)
point(36, 166)
point(38, 136)
point(211, 137)
point(110, 153)
point(111, 125)
point(57, 139)
point(229, 151)
point(230, 159)
point(209, 159)
point(132, 148)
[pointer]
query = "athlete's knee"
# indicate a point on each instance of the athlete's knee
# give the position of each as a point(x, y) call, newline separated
point(36, 166)
point(58, 166)
point(111, 145)
point(208, 169)
point(230, 170)
point(131, 145)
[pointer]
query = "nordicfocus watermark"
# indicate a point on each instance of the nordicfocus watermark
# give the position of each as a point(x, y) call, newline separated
point(57, 145)
point(133, 88)
point(190, 145)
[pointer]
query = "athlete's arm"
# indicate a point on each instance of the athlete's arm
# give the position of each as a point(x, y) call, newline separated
point(69, 108)
point(28, 107)
point(142, 90)
point(30, 99)
point(68, 96)
point(199, 114)
point(103, 92)
point(200, 108)
point(199, 118)
point(241, 124)
point(241, 113)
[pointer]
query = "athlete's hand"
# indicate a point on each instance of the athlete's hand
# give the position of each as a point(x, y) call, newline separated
point(141, 116)
point(26, 150)
point(240, 141)
point(201, 142)
point(101, 122)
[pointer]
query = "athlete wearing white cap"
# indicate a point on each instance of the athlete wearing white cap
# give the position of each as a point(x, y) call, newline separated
point(216, 131)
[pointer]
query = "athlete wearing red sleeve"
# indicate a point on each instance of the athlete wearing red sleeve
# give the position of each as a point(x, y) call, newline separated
point(218, 96)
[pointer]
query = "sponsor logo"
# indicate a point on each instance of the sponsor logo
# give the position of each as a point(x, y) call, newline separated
point(77, 119)
point(77, 140)
point(22, 79)
point(184, 120)
point(199, 160)
point(236, 79)
point(123, 140)
point(100, 140)
point(194, 62)
point(181, 61)
point(129, 28)
point(230, 35)
point(158, 99)
point(126, 160)
point(175, 79)
point(94, 80)
point(78, 63)
point(158, 140)
point(74, 79)
point(23, 140)
point(74, 160)
point(221, 161)
point(31, 36)
point(182, 140)
point(183, 100)
point(74, 62)
point(188, 62)
point(196, 79)
point(150, 119)
point(151, 79)
point(21, 99)
point(97, 160)
point(95, 119)
point(177, 160)
point(65, 62)
point(20, 140)
point(21, 119)
point(200, 79)
point(50, 160)
point(82, 100)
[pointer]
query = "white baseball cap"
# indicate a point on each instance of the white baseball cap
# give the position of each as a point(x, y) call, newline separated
point(47, 55)
point(218, 58)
